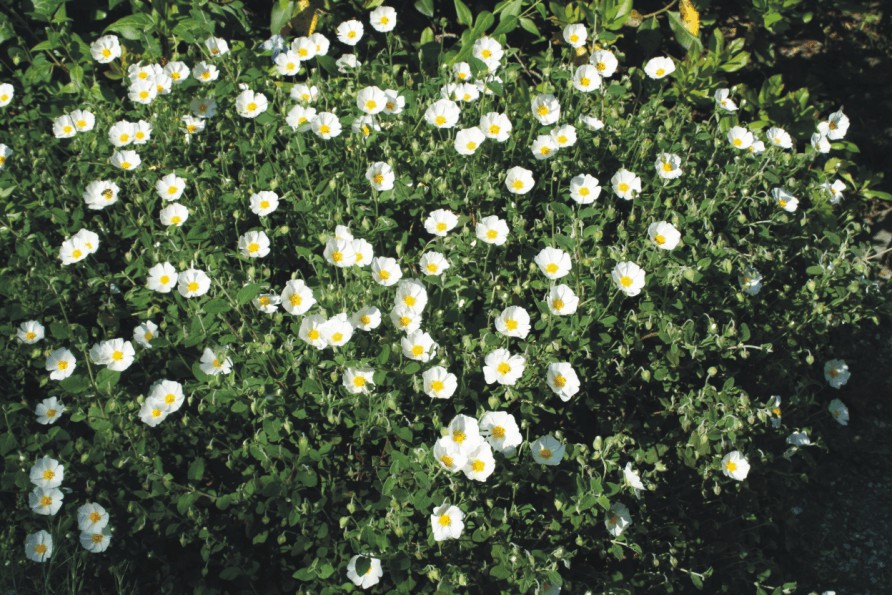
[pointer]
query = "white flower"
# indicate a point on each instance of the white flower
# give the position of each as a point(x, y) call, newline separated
point(83, 120)
point(386, 271)
point(358, 380)
point(839, 411)
point(657, 68)
point(519, 180)
point(63, 127)
point(447, 523)
point(835, 127)
point(544, 147)
point(142, 132)
point(39, 546)
point(144, 333)
point(169, 393)
point(757, 148)
point(546, 108)
point(502, 367)
point(337, 330)
point(371, 576)
point(371, 100)
point(174, 214)
point(5, 153)
point(162, 278)
point(310, 331)
point(735, 465)
point(340, 253)
point(304, 92)
point(193, 125)
point(834, 190)
point(514, 321)
point(300, 118)
point(405, 319)
point(383, 19)
point(575, 35)
point(177, 71)
point(750, 281)
point(121, 133)
point(364, 252)
point(443, 113)
point(626, 184)
point(96, 543)
point(288, 63)
point(664, 235)
point(347, 62)
point(297, 298)
point(439, 383)
point(349, 32)
point(820, 143)
point(364, 125)
point(254, 244)
point(618, 519)
point(326, 125)
point(264, 202)
point(785, 200)
point(7, 92)
point(605, 62)
point(380, 175)
point(117, 354)
point(492, 230)
point(395, 102)
point(106, 49)
point(366, 319)
point(775, 406)
point(418, 346)
point(72, 251)
point(433, 263)
point(267, 303)
point(30, 332)
point(249, 104)
point(836, 373)
point(126, 160)
point(740, 138)
point(153, 412)
point(668, 166)
point(591, 123)
point(561, 300)
point(480, 463)
point(722, 100)
point(170, 187)
point(584, 189)
point(49, 411)
point(47, 473)
point(440, 222)
point(142, 91)
point(489, 51)
point(92, 517)
point(449, 454)
point(214, 365)
point(321, 42)
point(563, 136)
point(629, 278)
point(88, 239)
point(547, 450)
point(500, 430)
point(798, 439)
point(303, 49)
point(216, 46)
point(779, 138)
point(554, 263)
point(562, 380)
point(586, 79)
point(495, 126)
point(468, 140)
point(204, 72)
point(632, 479)
point(193, 283)
point(464, 433)
point(60, 364)
point(203, 108)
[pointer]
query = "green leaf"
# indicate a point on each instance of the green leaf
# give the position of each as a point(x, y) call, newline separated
point(196, 470)
point(425, 7)
point(464, 14)
point(247, 293)
point(282, 12)
point(685, 38)
point(133, 26)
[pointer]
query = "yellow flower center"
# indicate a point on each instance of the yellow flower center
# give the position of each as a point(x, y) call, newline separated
point(782, 203)
point(290, 65)
point(143, 94)
point(731, 466)
point(95, 517)
point(444, 520)
point(192, 286)
point(337, 256)
point(385, 275)
point(175, 75)
point(81, 123)
point(542, 110)
point(251, 106)
point(295, 300)
point(776, 411)
point(574, 38)
point(48, 475)
point(46, 501)
point(125, 165)
point(458, 436)
point(405, 321)
point(503, 368)
point(325, 129)
point(253, 247)
point(371, 104)
point(313, 335)
point(437, 385)
point(365, 320)
point(511, 324)
point(175, 220)
point(106, 52)
point(97, 537)
point(660, 72)
point(40, 549)
point(832, 126)
point(301, 52)
point(601, 66)
point(486, 53)
point(62, 365)
point(557, 304)
point(170, 398)
point(471, 145)
point(409, 300)
point(494, 129)
point(737, 142)
point(432, 268)
point(164, 280)
point(545, 150)
point(148, 336)
point(584, 191)
point(359, 381)
point(440, 120)
point(263, 300)
point(478, 466)
point(492, 234)
point(517, 184)
point(660, 239)
point(563, 140)
point(498, 432)
point(417, 350)
point(446, 460)
point(584, 81)
point(545, 453)
point(560, 381)
point(191, 128)
point(351, 34)
point(441, 226)
point(378, 179)
point(625, 281)
point(30, 336)
point(667, 167)
point(337, 337)
point(623, 187)
point(551, 268)
point(67, 129)
point(118, 356)
point(216, 363)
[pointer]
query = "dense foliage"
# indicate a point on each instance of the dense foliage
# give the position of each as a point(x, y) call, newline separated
point(636, 264)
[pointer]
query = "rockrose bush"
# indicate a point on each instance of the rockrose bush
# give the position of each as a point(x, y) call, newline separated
point(320, 313)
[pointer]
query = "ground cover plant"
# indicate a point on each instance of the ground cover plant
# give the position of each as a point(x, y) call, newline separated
point(335, 311)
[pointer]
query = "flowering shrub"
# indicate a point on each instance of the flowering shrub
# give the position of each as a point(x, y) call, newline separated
point(304, 315)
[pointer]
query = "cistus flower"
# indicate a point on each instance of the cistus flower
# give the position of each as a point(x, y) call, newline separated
point(60, 364)
point(629, 278)
point(562, 380)
point(547, 450)
point(750, 281)
point(439, 383)
point(735, 466)
point(586, 79)
point(358, 380)
point(545, 108)
point(96, 542)
point(839, 411)
point(370, 577)
point(480, 463)
point(254, 244)
point(664, 235)
point(47, 473)
point(45, 501)
point(785, 200)
point(660, 67)
point(213, 364)
point(440, 222)
point(514, 321)
point(836, 373)
point(162, 278)
point(561, 300)
point(835, 127)
point(116, 354)
point(443, 113)
point(554, 263)
point(39, 546)
point(383, 19)
point(349, 32)
point(297, 298)
point(501, 367)
point(779, 138)
point(380, 175)
point(144, 333)
point(492, 230)
point(250, 104)
point(740, 138)
point(447, 522)
point(668, 166)
point(617, 519)
point(496, 126)
point(500, 430)
point(632, 479)
point(626, 185)
point(92, 517)
point(584, 189)
point(468, 140)
point(264, 202)
point(605, 62)
point(519, 180)
point(30, 332)
point(193, 283)
point(106, 49)
point(418, 346)
point(723, 100)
